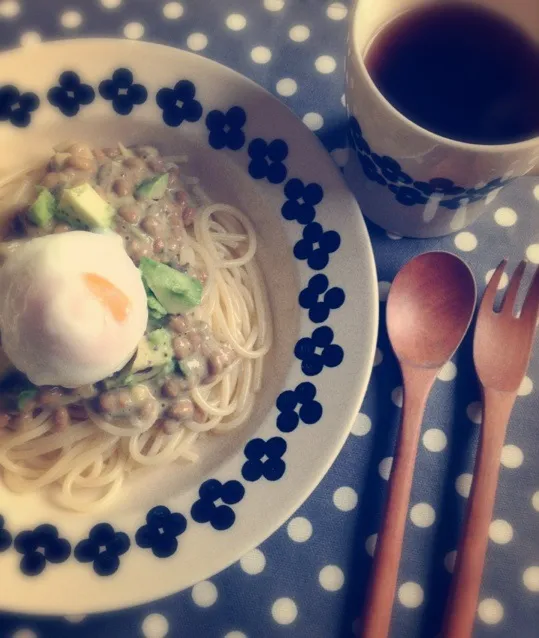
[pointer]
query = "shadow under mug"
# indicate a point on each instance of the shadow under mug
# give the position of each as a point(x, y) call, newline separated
point(407, 179)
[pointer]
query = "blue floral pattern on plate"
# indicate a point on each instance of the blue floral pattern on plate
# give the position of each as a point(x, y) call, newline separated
point(70, 94)
point(123, 92)
point(41, 546)
point(317, 245)
point(310, 411)
point(179, 104)
point(160, 534)
point(5, 536)
point(226, 129)
point(267, 160)
point(319, 309)
point(215, 499)
point(301, 201)
point(103, 549)
point(264, 459)
point(318, 351)
point(16, 107)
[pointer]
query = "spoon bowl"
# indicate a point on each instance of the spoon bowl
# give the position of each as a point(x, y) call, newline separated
point(429, 308)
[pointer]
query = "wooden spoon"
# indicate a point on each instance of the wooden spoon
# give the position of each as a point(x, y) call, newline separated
point(429, 309)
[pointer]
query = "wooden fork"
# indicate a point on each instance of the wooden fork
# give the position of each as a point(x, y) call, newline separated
point(502, 350)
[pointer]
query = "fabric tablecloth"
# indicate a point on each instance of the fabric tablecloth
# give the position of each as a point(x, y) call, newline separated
point(309, 578)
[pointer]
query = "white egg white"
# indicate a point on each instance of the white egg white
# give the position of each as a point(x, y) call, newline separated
point(53, 328)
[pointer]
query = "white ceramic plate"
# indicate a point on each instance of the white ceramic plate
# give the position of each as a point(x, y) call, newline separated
point(312, 237)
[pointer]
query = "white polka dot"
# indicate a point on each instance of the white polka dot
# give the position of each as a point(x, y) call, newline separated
point(384, 467)
point(299, 529)
point(24, 633)
point(75, 618)
point(411, 595)
point(448, 372)
point(9, 8)
point(532, 253)
point(155, 626)
point(325, 64)
point(422, 515)
point(490, 611)
point(504, 279)
point(173, 10)
point(71, 19)
point(336, 11)
point(286, 87)
point(197, 41)
point(370, 544)
point(536, 192)
point(362, 425)
point(474, 412)
point(284, 611)
point(535, 501)
point(378, 357)
point(299, 33)
point(383, 289)
point(133, 30)
point(261, 55)
point(500, 532)
point(526, 387)
point(434, 440)
point(397, 396)
point(340, 156)
point(253, 562)
point(530, 578)
point(204, 594)
point(343, 102)
point(345, 499)
point(236, 22)
point(273, 5)
point(111, 4)
point(313, 120)
point(505, 216)
point(29, 38)
point(466, 241)
point(393, 236)
point(235, 634)
point(512, 456)
point(331, 578)
point(449, 561)
point(463, 484)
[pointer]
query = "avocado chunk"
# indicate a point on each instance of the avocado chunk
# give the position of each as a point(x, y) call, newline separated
point(177, 292)
point(44, 209)
point(153, 351)
point(153, 188)
point(81, 206)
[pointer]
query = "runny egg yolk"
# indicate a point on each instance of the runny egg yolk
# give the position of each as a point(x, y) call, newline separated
point(111, 297)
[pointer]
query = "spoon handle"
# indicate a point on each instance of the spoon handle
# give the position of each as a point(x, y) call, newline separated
point(466, 583)
point(417, 383)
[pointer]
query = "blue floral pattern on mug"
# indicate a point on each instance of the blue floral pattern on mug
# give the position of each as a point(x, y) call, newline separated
point(387, 171)
point(310, 411)
point(264, 459)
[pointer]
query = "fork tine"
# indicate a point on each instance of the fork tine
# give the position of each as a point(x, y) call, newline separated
point(489, 295)
point(512, 290)
point(530, 307)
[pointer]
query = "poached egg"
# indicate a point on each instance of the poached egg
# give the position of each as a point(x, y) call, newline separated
point(72, 308)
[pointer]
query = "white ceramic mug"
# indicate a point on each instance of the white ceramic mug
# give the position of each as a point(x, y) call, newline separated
point(407, 179)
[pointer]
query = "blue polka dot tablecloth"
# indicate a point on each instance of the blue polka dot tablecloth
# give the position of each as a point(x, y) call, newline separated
point(308, 580)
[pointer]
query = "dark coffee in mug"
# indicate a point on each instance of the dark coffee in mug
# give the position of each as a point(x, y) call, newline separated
point(461, 71)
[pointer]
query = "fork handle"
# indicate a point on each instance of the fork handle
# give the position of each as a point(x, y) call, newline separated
point(383, 578)
point(466, 583)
